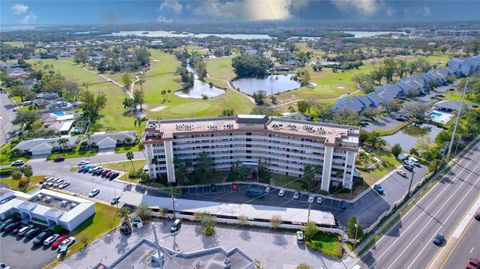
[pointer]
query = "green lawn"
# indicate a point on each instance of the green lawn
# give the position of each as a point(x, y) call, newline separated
point(5, 155)
point(73, 154)
point(13, 184)
point(389, 162)
point(328, 244)
point(125, 166)
point(104, 220)
point(285, 181)
point(219, 70)
point(458, 97)
point(115, 118)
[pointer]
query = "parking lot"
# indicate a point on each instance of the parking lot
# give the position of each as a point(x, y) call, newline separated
point(20, 253)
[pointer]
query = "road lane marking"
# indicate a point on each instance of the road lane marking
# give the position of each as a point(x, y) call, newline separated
point(435, 215)
point(472, 250)
point(462, 168)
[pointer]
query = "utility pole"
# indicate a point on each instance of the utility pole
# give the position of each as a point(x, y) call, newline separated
point(356, 230)
point(410, 185)
point(457, 121)
point(173, 204)
point(309, 207)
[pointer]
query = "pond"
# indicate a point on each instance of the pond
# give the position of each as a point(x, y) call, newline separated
point(408, 136)
point(271, 84)
point(199, 89)
point(360, 34)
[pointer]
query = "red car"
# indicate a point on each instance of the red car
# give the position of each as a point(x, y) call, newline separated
point(59, 159)
point(234, 186)
point(473, 264)
point(59, 240)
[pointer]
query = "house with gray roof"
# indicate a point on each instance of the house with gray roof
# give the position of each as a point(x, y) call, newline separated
point(110, 141)
point(45, 146)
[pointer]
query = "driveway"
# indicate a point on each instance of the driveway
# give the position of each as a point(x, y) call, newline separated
point(283, 251)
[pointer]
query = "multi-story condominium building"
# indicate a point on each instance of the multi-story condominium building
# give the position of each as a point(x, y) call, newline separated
point(282, 146)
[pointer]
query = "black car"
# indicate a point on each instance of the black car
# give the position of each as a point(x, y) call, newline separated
point(343, 205)
point(114, 175)
point(32, 232)
point(439, 240)
point(6, 223)
point(477, 217)
point(10, 227)
point(176, 226)
point(42, 236)
point(213, 188)
point(409, 167)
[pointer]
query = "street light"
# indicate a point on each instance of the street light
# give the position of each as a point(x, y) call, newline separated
point(356, 230)
point(457, 121)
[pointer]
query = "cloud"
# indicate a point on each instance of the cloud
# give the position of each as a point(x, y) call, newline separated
point(173, 5)
point(29, 19)
point(255, 10)
point(19, 8)
point(364, 7)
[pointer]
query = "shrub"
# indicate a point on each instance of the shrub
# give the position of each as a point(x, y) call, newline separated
point(6, 172)
point(275, 221)
point(209, 231)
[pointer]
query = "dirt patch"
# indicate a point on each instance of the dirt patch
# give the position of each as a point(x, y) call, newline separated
point(158, 109)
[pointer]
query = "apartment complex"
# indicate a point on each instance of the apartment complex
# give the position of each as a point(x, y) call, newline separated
point(283, 146)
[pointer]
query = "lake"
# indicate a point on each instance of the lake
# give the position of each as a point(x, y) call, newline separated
point(271, 84)
point(408, 136)
point(199, 89)
point(360, 34)
point(174, 34)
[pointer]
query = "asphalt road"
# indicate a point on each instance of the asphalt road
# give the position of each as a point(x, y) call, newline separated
point(6, 118)
point(409, 243)
point(468, 247)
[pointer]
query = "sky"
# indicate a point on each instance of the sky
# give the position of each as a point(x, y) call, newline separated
point(65, 12)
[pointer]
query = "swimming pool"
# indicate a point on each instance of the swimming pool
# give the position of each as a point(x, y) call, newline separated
point(59, 113)
point(436, 114)
point(440, 117)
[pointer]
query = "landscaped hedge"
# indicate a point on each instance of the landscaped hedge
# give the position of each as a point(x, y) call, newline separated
point(6, 172)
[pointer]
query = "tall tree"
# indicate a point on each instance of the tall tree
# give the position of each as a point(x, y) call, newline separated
point(17, 175)
point(138, 98)
point(92, 105)
point(396, 150)
point(126, 80)
point(27, 171)
point(27, 118)
point(130, 157)
point(303, 106)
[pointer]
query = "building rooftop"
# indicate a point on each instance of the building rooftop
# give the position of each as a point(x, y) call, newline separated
point(330, 133)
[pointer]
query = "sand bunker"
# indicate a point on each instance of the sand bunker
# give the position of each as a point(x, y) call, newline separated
point(158, 109)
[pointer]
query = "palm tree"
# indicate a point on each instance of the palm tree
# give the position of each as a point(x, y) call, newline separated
point(138, 121)
point(62, 142)
point(140, 82)
point(124, 213)
point(130, 157)
point(17, 175)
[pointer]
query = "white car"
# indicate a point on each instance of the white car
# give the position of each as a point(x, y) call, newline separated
point(282, 192)
point(311, 199)
point(50, 240)
point(67, 242)
point(319, 200)
point(93, 193)
point(296, 195)
point(402, 173)
point(80, 163)
point(268, 189)
point(64, 185)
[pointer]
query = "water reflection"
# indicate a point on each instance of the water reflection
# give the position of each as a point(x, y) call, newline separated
point(199, 89)
point(271, 84)
point(408, 136)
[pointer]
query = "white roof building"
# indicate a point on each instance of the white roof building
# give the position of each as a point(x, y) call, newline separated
point(46, 207)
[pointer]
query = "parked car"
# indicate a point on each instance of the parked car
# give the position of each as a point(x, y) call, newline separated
point(18, 163)
point(11, 226)
point(439, 240)
point(300, 237)
point(282, 192)
point(42, 236)
point(319, 200)
point(68, 242)
point(64, 185)
point(402, 173)
point(50, 239)
point(114, 175)
point(408, 162)
point(32, 232)
point(58, 241)
point(24, 230)
point(176, 226)
point(114, 200)
point(378, 188)
point(59, 159)
point(343, 205)
point(18, 228)
point(477, 217)
point(409, 167)
point(234, 186)
point(311, 199)
point(93, 193)
point(268, 189)
point(7, 222)
point(82, 162)
point(296, 195)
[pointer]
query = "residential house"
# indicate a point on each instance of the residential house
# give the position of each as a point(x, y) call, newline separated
point(45, 146)
point(110, 141)
point(60, 106)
